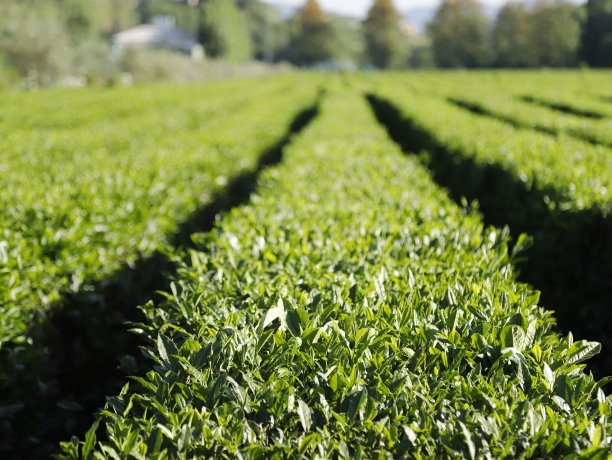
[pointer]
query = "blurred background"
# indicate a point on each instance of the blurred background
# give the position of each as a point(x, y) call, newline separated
point(110, 42)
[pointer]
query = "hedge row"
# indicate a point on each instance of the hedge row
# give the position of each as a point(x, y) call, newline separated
point(87, 211)
point(78, 203)
point(557, 190)
point(574, 174)
point(588, 108)
point(521, 114)
point(352, 311)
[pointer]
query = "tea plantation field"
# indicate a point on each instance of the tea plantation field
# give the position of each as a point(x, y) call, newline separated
point(309, 266)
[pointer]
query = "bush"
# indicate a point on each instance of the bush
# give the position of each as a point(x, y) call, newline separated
point(8, 76)
point(153, 65)
point(35, 44)
point(145, 65)
point(93, 60)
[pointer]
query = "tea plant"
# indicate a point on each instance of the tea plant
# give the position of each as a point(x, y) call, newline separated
point(352, 310)
point(79, 202)
point(91, 206)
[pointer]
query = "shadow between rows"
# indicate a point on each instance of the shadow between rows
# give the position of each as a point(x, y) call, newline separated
point(569, 261)
point(565, 108)
point(477, 109)
point(83, 351)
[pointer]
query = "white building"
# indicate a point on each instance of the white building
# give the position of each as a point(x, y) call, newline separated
point(163, 34)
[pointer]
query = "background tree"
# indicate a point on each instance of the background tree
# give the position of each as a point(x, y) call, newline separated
point(555, 33)
point(78, 17)
point(596, 46)
point(419, 54)
point(314, 42)
point(511, 34)
point(382, 33)
point(224, 31)
point(459, 34)
point(349, 46)
point(34, 42)
point(143, 8)
point(262, 22)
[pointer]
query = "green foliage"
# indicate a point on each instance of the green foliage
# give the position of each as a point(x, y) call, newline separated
point(315, 39)
point(352, 310)
point(93, 60)
point(8, 77)
point(552, 186)
point(420, 53)
point(34, 42)
point(349, 43)
point(555, 33)
point(497, 101)
point(143, 8)
point(224, 31)
point(550, 34)
point(146, 65)
point(78, 18)
point(67, 209)
point(596, 46)
point(263, 21)
point(459, 34)
point(511, 44)
point(382, 35)
point(112, 16)
point(101, 180)
point(575, 174)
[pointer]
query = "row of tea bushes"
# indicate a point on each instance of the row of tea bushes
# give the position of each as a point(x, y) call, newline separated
point(522, 114)
point(87, 213)
point(559, 190)
point(78, 203)
point(352, 311)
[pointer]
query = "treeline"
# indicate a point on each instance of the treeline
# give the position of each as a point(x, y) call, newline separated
point(42, 41)
point(69, 42)
point(554, 33)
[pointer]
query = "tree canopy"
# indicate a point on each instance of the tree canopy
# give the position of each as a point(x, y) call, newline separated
point(596, 45)
point(224, 31)
point(314, 42)
point(511, 45)
point(555, 33)
point(382, 33)
point(459, 34)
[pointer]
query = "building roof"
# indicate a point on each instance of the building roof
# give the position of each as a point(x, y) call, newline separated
point(156, 36)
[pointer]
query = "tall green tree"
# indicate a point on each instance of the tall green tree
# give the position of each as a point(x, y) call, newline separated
point(383, 37)
point(262, 22)
point(511, 34)
point(459, 33)
point(349, 41)
point(143, 8)
point(78, 17)
point(314, 42)
point(224, 31)
point(596, 46)
point(34, 42)
point(555, 33)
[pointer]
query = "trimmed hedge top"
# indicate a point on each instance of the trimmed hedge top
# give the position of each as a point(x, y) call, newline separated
point(352, 310)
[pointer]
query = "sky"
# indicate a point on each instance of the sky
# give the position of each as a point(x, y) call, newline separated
point(360, 7)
